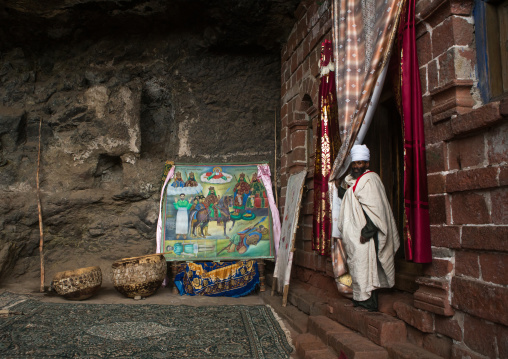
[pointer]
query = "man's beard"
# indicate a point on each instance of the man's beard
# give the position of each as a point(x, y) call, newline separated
point(356, 174)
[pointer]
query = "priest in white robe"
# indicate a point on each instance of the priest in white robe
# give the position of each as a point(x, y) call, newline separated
point(368, 230)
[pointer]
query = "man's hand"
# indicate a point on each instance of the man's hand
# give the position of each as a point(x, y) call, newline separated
point(364, 240)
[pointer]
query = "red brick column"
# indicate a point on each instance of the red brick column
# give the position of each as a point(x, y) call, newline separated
point(299, 112)
point(467, 157)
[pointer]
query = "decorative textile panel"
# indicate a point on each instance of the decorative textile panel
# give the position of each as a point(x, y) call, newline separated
point(363, 33)
point(417, 243)
point(328, 143)
point(217, 212)
point(229, 279)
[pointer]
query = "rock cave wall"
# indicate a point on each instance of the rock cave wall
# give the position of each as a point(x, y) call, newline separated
point(114, 106)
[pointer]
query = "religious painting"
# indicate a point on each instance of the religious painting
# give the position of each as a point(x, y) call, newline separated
point(216, 212)
point(284, 262)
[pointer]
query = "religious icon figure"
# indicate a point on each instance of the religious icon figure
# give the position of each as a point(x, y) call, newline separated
point(241, 193)
point(211, 201)
point(198, 204)
point(216, 174)
point(178, 181)
point(241, 241)
point(257, 196)
point(191, 182)
point(182, 218)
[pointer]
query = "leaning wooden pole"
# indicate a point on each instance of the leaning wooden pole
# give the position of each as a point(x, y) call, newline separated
point(275, 164)
point(274, 280)
point(41, 231)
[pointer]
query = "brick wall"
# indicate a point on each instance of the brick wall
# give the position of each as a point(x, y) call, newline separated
point(460, 305)
point(466, 285)
point(299, 115)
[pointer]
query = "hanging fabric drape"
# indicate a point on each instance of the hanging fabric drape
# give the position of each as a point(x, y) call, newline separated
point(327, 145)
point(417, 227)
point(363, 33)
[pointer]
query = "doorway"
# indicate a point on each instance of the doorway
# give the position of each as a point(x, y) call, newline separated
point(385, 141)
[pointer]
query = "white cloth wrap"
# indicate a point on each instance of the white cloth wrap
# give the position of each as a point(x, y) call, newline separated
point(360, 153)
point(336, 202)
point(368, 271)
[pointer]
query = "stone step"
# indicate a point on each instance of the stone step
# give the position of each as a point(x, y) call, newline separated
point(321, 354)
point(378, 327)
point(297, 319)
point(324, 328)
point(342, 339)
point(339, 327)
point(409, 351)
point(307, 302)
point(309, 346)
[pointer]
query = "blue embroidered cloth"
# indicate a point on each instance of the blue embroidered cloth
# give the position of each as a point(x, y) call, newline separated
point(228, 279)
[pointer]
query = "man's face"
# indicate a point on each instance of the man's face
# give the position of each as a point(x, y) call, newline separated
point(358, 167)
point(182, 197)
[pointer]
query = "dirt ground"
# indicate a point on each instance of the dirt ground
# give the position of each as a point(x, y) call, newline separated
point(108, 295)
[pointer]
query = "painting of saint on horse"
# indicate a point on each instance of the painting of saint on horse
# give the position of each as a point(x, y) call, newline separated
point(207, 208)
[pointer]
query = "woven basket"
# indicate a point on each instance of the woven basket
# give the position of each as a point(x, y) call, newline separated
point(139, 276)
point(78, 284)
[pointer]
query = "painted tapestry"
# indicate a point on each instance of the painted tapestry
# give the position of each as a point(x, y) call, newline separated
point(216, 212)
point(287, 237)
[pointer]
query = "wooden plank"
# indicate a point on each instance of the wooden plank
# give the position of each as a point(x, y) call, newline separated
point(285, 295)
point(493, 53)
point(288, 232)
point(503, 42)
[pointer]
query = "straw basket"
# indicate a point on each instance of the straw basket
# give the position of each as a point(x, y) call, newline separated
point(139, 276)
point(78, 284)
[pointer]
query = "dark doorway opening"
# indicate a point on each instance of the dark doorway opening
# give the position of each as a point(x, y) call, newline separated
point(385, 141)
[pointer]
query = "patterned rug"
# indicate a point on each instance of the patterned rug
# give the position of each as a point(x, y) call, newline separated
point(35, 329)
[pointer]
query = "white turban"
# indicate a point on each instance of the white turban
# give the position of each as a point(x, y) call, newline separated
point(360, 153)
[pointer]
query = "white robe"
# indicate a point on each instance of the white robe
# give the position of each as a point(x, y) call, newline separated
point(368, 274)
point(182, 221)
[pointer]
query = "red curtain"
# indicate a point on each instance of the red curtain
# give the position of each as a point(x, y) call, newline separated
point(417, 228)
point(327, 145)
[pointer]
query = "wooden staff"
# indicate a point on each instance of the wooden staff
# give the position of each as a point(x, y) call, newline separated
point(275, 162)
point(274, 280)
point(41, 230)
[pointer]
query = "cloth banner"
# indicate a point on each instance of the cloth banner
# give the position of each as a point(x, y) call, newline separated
point(363, 34)
point(169, 168)
point(417, 229)
point(328, 143)
point(228, 279)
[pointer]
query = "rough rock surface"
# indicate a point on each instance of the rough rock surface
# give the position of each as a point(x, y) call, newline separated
point(119, 87)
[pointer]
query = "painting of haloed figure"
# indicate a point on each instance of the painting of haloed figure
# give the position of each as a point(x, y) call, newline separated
point(217, 212)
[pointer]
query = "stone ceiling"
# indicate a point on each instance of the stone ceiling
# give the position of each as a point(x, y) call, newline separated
point(225, 25)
